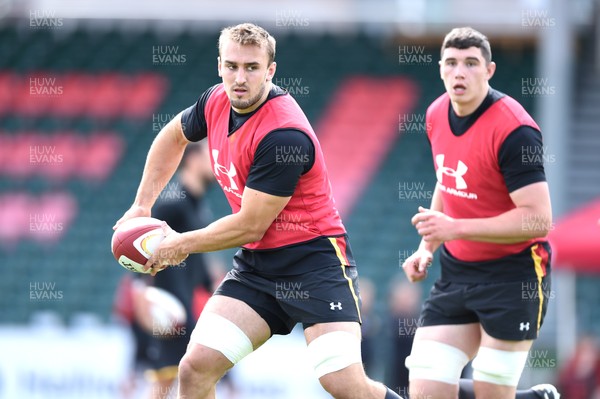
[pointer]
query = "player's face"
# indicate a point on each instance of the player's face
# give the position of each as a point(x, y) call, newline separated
point(246, 75)
point(465, 75)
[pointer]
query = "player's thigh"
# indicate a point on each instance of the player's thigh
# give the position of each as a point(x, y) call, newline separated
point(505, 345)
point(227, 331)
point(464, 337)
point(242, 315)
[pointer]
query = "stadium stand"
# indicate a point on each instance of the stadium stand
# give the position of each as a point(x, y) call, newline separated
point(115, 99)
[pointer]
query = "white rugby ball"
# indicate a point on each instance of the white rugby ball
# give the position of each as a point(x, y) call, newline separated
point(135, 240)
point(166, 311)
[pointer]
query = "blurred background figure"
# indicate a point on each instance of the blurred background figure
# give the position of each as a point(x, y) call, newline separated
point(182, 206)
point(404, 306)
point(579, 378)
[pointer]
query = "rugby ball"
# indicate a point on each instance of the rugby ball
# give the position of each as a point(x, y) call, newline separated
point(166, 311)
point(135, 240)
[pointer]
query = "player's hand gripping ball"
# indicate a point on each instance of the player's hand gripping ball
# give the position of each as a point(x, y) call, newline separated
point(135, 240)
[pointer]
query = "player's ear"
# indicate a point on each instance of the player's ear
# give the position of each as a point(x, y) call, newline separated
point(271, 70)
point(441, 74)
point(491, 69)
point(219, 66)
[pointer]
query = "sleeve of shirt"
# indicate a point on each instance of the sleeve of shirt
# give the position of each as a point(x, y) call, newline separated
point(193, 121)
point(281, 158)
point(521, 158)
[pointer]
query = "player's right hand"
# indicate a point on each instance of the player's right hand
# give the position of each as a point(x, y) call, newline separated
point(133, 212)
point(415, 267)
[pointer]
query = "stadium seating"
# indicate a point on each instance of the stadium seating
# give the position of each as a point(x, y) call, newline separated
point(111, 91)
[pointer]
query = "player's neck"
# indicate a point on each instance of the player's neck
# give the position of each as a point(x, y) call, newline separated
point(463, 109)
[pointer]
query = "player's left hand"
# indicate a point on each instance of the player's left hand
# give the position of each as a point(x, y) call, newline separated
point(435, 225)
point(168, 253)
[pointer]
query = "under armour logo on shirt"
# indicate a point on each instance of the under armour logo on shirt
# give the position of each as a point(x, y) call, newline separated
point(334, 306)
point(524, 326)
point(220, 169)
point(458, 174)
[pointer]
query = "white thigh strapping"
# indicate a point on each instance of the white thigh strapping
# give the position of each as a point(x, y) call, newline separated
point(499, 367)
point(432, 360)
point(220, 334)
point(334, 351)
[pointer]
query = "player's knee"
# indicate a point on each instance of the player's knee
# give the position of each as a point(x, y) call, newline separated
point(498, 367)
point(435, 361)
point(202, 365)
point(337, 361)
point(343, 387)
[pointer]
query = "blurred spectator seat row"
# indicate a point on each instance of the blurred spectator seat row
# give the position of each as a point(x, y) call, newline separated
point(42, 218)
point(74, 94)
point(60, 156)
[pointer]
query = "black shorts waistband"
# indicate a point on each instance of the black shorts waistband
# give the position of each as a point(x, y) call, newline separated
point(516, 267)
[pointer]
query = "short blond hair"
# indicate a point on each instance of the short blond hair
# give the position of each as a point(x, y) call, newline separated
point(248, 33)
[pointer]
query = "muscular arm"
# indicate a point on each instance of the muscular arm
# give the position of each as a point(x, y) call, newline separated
point(257, 213)
point(161, 163)
point(163, 158)
point(532, 218)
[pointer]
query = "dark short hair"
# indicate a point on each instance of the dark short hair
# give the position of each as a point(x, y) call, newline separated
point(465, 37)
point(248, 33)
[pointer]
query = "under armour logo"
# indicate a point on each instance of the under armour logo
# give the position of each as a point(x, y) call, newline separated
point(231, 172)
point(334, 306)
point(524, 326)
point(458, 174)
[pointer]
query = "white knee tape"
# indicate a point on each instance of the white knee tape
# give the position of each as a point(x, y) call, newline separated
point(220, 334)
point(432, 360)
point(334, 351)
point(498, 367)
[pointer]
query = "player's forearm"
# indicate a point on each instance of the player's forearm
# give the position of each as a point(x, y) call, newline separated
point(230, 231)
point(436, 205)
point(517, 225)
point(161, 163)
